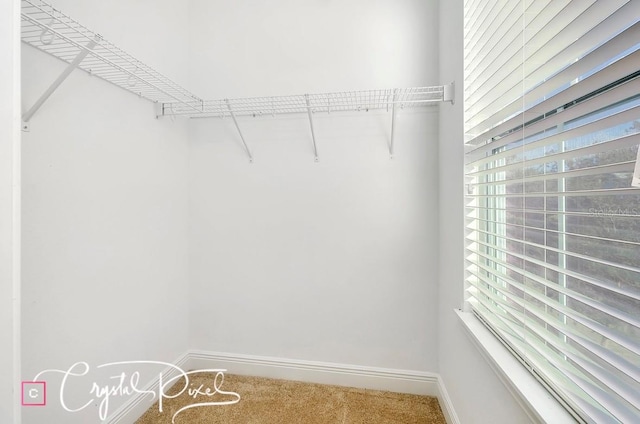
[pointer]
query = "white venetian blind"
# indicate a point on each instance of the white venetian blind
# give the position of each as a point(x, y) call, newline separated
point(552, 126)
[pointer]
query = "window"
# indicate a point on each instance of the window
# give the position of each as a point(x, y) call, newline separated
point(552, 127)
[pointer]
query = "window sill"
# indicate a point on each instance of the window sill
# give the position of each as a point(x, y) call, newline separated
point(538, 403)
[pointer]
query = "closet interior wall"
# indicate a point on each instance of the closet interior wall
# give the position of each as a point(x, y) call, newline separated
point(105, 191)
point(144, 238)
point(333, 261)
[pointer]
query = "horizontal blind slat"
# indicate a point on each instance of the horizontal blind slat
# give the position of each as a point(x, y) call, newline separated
point(617, 362)
point(557, 232)
point(623, 18)
point(593, 325)
point(567, 193)
point(485, 41)
point(512, 118)
point(584, 278)
point(477, 37)
point(499, 75)
point(621, 167)
point(563, 251)
point(538, 363)
point(616, 386)
point(552, 128)
point(615, 144)
point(508, 107)
point(552, 119)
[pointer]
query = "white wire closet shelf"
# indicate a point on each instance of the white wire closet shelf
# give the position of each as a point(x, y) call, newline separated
point(325, 102)
point(389, 99)
point(53, 32)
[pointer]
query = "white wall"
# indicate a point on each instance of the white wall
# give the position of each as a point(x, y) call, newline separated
point(477, 394)
point(251, 48)
point(332, 261)
point(9, 210)
point(104, 211)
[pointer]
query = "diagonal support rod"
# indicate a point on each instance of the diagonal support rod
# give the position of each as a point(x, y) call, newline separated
point(313, 134)
point(63, 76)
point(235, 121)
point(393, 121)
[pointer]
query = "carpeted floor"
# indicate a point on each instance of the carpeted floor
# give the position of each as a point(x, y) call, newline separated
point(268, 401)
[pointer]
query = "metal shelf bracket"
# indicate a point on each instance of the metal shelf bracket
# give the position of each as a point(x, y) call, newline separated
point(235, 121)
point(313, 134)
point(51, 31)
point(393, 121)
point(63, 76)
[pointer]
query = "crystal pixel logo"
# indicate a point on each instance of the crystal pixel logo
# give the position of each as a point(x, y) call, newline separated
point(34, 393)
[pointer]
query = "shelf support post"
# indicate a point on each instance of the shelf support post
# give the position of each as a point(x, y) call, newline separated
point(393, 120)
point(235, 121)
point(313, 134)
point(63, 76)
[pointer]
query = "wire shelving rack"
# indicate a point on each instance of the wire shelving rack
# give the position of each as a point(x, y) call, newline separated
point(324, 102)
point(48, 29)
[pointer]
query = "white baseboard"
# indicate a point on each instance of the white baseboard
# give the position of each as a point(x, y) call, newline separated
point(446, 404)
point(401, 381)
point(137, 405)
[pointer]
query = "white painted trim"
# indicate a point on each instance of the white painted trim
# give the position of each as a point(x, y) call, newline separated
point(446, 404)
point(534, 399)
point(10, 197)
point(137, 405)
point(402, 381)
point(17, 223)
point(394, 380)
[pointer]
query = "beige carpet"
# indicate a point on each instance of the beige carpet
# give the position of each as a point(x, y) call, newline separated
point(267, 401)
